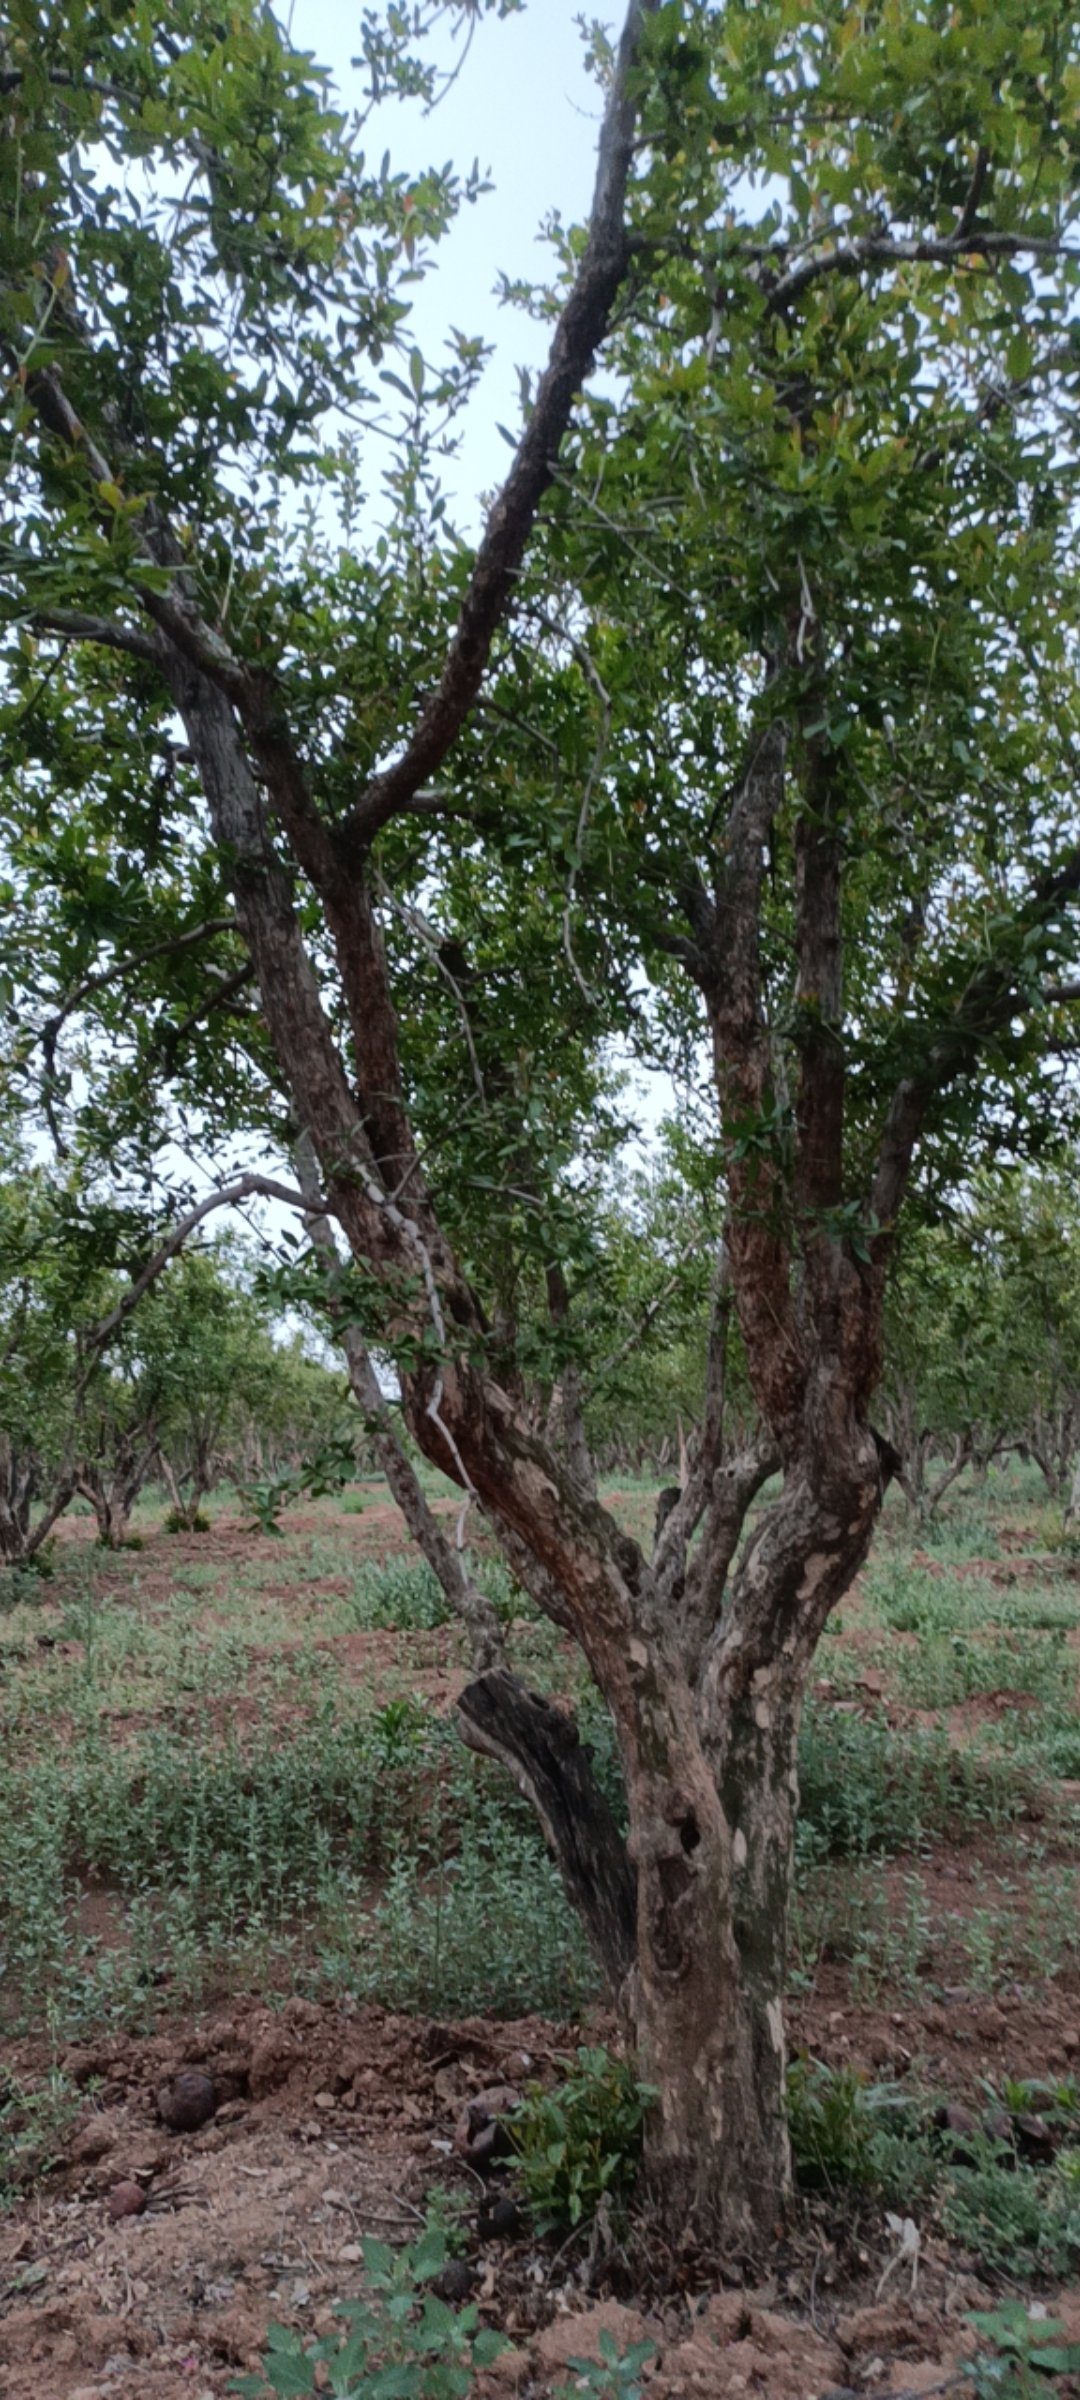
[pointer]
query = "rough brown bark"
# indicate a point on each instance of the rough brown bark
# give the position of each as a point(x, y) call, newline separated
point(714, 1855)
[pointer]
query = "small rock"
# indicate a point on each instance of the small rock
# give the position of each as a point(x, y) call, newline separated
point(481, 2134)
point(954, 2118)
point(125, 2200)
point(188, 2101)
point(455, 2282)
point(1034, 2139)
point(324, 2100)
point(502, 2222)
point(94, 2139)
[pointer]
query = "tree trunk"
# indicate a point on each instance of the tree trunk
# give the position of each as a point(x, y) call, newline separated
point(708, 1993)
point(20, 1538)
point(1072, 1505)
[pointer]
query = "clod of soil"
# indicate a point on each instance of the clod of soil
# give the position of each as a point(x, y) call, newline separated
point(1034, 2139)
point(125, 2200)
point(481, 2135)
point(502, 2222)
point(455, 2282)
point(188, 2101)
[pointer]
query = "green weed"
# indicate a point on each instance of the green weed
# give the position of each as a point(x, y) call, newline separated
point(580, 2145)
point(1027, 2350)
point(402, 2342)
point(35, 2120)
point(836, 2120)
point(870, 1789)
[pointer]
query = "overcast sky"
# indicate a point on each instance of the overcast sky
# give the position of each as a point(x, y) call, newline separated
point(524, 107)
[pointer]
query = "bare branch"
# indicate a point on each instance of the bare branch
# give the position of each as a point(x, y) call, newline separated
point(107, 631)
point(246, 1187)
point(886, 250)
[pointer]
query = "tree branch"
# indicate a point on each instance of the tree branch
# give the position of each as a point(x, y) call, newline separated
point(246, 1187)
point(581, 327)
point(975, 192)
point(130, 966)
point(467, 1601)
point(988, 1001)
point(885, 250)
point(173, 1035)
point(758, 1237)
point(111, 635)
point(818, 997)
point(543, 1752)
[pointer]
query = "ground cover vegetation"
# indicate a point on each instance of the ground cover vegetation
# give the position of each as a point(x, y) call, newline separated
point(750, 717)
point(260, 1790)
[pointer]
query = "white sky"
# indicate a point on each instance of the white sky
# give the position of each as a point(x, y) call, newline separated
point(524, 107)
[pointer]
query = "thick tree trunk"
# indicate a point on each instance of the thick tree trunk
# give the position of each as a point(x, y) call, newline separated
point(708, 1991)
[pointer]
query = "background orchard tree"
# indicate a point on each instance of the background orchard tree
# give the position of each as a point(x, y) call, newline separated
point(983, 1335)
point(209, 1350)
point(38, 1284)
point(753, 711)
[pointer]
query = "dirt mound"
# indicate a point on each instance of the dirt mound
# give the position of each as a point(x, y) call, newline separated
point(327, 2127)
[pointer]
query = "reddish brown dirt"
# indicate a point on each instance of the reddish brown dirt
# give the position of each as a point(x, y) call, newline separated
point(332, 2126)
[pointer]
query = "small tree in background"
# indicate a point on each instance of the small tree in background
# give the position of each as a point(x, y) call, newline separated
point(983, 1341)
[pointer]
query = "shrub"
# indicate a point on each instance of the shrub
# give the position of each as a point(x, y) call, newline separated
point(837, 2120)
point(34, 2124)
point(581, 2144)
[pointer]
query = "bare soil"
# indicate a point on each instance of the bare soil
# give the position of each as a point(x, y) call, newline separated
point(331, 2126)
